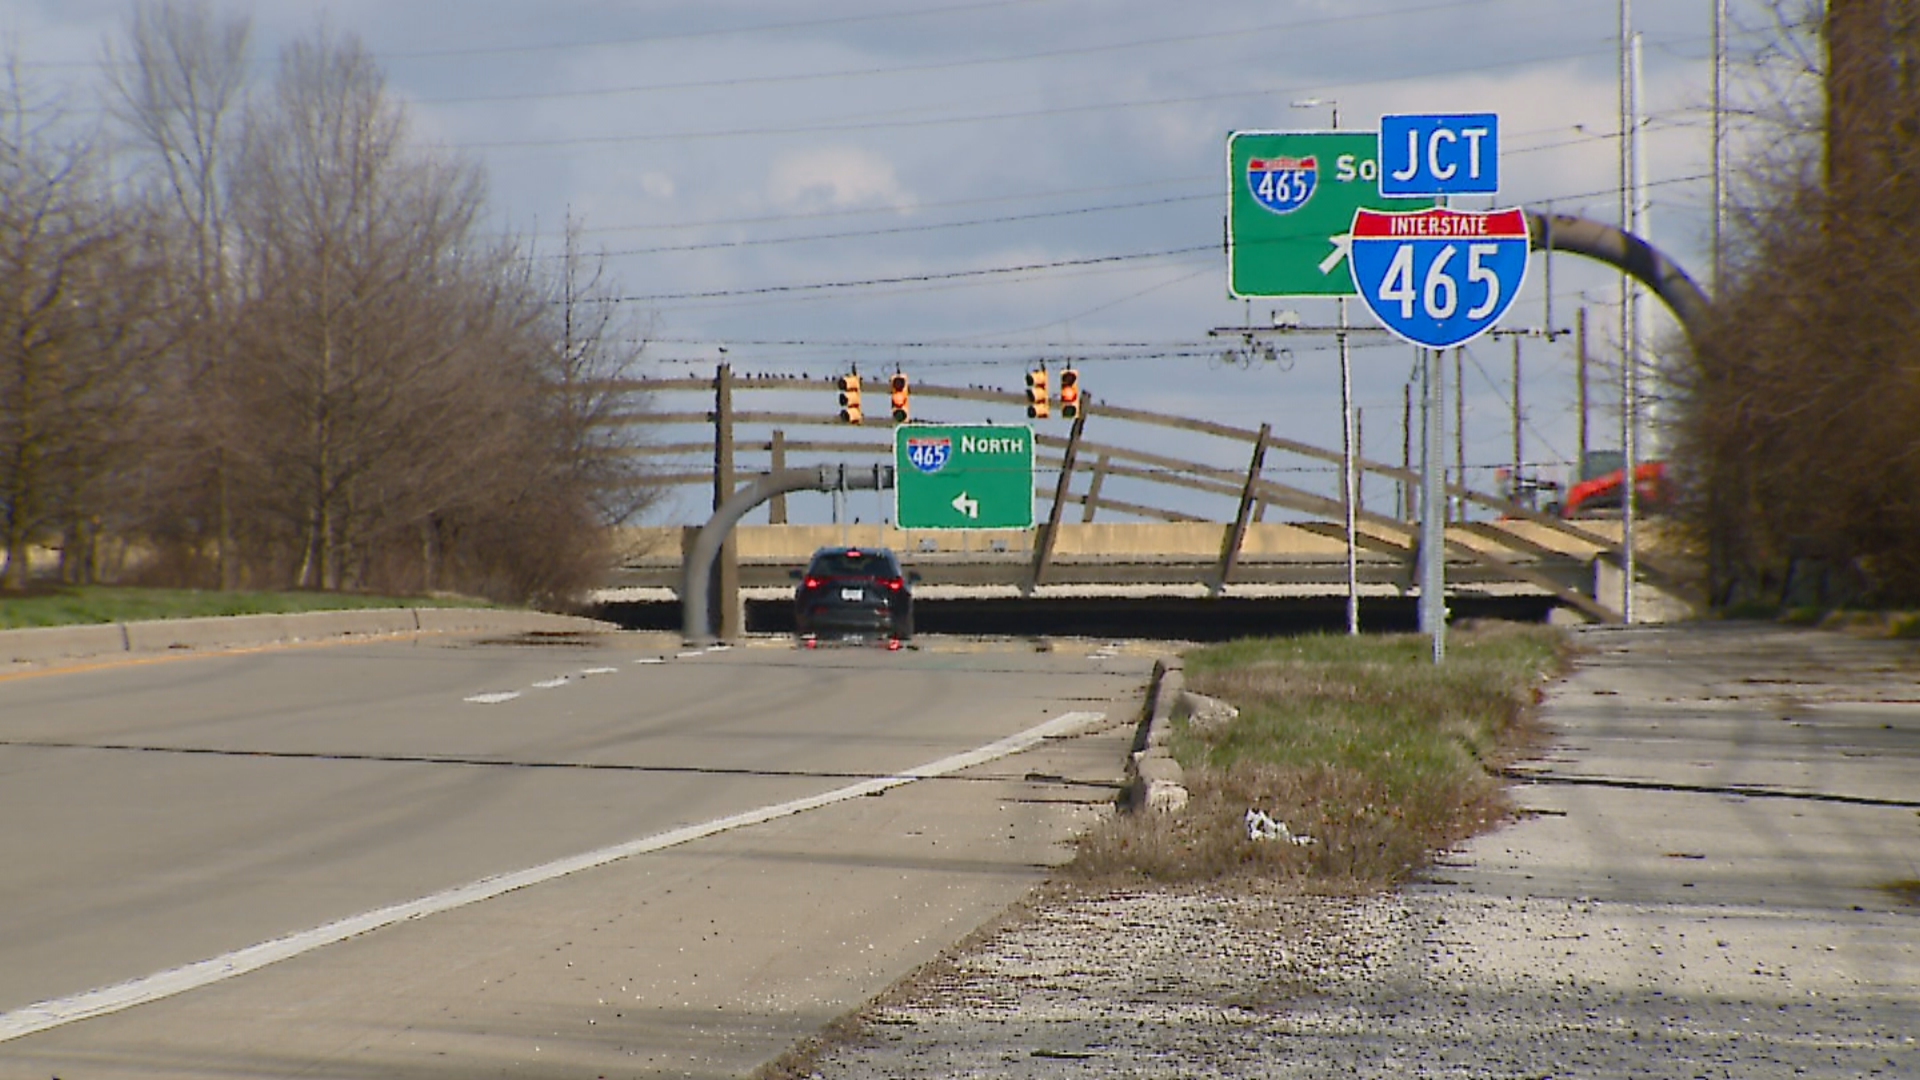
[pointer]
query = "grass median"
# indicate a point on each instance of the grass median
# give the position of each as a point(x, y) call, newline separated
point(1370, 756)
point(85, 605)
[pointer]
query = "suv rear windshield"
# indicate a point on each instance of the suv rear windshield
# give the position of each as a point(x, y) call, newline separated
point(853, 564)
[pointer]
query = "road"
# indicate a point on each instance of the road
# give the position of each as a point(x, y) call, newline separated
point(717, 851)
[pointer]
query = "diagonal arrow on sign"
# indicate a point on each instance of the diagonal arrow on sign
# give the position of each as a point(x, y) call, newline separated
point(1342, 250)
point(969, 507)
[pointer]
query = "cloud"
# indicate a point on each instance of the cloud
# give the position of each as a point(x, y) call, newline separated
point(833, 178)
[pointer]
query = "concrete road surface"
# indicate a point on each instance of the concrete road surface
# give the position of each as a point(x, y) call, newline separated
point(1722, 876)
point(465, 858)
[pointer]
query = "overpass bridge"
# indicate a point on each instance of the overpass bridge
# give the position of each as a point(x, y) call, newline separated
point(1192, 498)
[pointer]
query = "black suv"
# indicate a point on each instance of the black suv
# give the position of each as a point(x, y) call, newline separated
point(854, 590)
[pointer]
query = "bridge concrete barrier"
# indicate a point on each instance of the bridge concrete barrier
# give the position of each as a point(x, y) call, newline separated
point(54, 644)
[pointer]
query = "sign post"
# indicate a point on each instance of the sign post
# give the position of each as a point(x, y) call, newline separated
point(963, 476)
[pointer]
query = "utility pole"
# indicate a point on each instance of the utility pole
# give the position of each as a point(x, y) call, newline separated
point(1405, 511)
point(1459, 512)
point(1581, 362)
point(725, 582)
point(1348, 496)
point(1519, 459)
point(1719, 145)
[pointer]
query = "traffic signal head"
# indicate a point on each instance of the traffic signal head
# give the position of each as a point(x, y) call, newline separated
point(849, 399)
point(1037, 393)
point(1069, 394)
point(902, 408)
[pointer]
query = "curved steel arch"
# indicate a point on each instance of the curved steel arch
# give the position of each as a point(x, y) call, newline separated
point(1580, 236)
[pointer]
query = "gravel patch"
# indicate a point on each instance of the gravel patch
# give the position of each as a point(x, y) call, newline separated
point(1221, 986)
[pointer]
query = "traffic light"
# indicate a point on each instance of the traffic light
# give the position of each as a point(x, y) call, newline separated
point(1069, 394)
point(902, 408)
point(1037, 393)
point(850, 398)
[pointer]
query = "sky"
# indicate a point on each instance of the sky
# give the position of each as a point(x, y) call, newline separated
point(964, 189)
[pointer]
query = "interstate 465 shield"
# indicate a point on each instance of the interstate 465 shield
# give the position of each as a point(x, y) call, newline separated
point(1439, 278)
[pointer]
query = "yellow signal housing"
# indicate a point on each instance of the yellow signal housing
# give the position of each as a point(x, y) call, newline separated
point(849, 399)
point(1037, 398)
point(1069, 394)
point(902, 407)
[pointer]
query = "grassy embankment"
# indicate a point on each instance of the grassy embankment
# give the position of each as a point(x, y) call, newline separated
point(77, 606)
point(1363, 744)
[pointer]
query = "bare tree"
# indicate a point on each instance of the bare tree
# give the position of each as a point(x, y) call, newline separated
point(177, 93)
point(597, 348)
point(1800, 418)
point(80, 278)
point(395, 412)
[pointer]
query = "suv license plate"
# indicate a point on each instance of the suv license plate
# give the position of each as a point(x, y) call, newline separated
point(853, 594)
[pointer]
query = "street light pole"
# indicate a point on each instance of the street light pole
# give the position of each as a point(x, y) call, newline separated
point(1349, 497)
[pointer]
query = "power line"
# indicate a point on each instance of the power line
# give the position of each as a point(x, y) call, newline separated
point(1029, 114)
point(1292, 26)
point(906, 279)
point(899, 229)
point(895, 208)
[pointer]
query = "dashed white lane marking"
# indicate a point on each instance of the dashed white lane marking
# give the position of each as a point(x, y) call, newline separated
point(600, 671)
point(494, 699)
point(651, 660)
point(548, 684)
point(102, 1001)
point(690, 655)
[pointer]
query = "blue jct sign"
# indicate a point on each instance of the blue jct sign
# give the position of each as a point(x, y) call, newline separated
point(1456, 154)
point(1439, 278)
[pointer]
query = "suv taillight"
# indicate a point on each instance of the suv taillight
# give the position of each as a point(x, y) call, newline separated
point(894, 584)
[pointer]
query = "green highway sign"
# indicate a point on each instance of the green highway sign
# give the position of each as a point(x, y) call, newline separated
point(1291, 199)
point(962, 476)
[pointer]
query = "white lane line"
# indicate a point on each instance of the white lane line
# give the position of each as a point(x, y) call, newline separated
point(87, 1004)
point(494, 699)
point(690, 655)
point(651, 660)
point(600, 671)
point(548, 684)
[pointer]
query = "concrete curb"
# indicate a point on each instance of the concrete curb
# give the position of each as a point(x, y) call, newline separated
point(41, 645)
point(1155, 781)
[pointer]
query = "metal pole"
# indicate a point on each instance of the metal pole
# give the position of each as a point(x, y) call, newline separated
point(1581, 362)
point(1359, 455)
point(1519, 459)
point(1719, 143)
point(1627, 205)
point(1459, 428)
point(1630, 378)
point(1347, 496)
point(1433, 531)
point(1406, 510)
point(726, 575)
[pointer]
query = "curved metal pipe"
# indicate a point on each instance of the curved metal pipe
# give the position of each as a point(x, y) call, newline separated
point(698, 568)
point(1579, 236)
